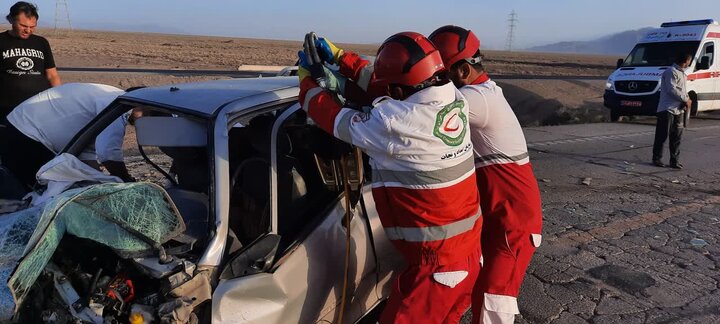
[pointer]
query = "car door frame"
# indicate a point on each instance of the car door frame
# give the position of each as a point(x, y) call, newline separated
point(361, 232)
point(212, 258)
point(227, 290)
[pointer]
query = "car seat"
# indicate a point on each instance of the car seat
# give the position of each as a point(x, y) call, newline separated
point(250, 183)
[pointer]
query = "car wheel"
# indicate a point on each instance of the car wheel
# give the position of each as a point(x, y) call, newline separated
point(694, 109)
point(614, 115)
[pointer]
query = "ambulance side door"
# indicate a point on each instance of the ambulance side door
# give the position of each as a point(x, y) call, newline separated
point(705, 82)
point(715, 72)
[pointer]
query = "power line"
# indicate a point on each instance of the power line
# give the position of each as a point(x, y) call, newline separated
point(62, 15)
point(512, 24)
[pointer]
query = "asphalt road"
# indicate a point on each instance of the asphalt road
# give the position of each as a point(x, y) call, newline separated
point(625, 241)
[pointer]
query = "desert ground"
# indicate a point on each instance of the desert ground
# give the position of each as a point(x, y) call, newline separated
point(536, 102)
point(80, 48)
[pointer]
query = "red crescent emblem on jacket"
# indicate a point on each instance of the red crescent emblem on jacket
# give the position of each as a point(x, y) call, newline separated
point(447, 129)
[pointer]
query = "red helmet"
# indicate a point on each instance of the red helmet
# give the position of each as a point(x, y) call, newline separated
point(407, 58)
point(455, 43)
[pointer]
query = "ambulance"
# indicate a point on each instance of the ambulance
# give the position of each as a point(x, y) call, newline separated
point(634, 88)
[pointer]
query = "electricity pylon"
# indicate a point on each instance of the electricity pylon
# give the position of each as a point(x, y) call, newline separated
point(62, 15)
point(512, 24)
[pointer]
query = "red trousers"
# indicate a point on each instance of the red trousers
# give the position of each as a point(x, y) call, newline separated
point(506, 256)
point(432, 293)
point(512, 223)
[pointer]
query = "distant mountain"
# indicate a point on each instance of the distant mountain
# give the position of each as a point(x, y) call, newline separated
point(615, 44)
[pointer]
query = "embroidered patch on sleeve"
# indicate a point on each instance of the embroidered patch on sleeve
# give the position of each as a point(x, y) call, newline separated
point(451, 124)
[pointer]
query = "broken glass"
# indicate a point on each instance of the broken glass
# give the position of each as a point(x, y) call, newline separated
point(133, 219)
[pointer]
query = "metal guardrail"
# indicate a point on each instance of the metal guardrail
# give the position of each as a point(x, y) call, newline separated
point(249, 74)
point(546, 77)
point(235, 74)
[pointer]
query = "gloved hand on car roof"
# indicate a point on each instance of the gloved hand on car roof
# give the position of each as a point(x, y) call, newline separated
point(328, 51)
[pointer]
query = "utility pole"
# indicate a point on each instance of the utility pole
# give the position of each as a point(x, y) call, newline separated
point(62, 15)
point(512, 24)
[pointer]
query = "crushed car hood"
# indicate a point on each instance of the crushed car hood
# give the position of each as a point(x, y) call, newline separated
point(133, 219)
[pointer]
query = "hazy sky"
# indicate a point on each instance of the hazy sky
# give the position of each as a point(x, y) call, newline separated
point(371, 21)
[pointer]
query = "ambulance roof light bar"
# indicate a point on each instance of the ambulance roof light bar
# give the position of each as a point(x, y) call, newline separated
point(690, 23)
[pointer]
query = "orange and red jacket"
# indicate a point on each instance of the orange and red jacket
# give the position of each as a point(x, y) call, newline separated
point(421, 156)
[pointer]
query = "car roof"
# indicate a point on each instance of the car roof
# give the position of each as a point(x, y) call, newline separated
point(208, 97)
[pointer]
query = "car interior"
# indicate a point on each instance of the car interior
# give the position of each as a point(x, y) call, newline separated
point(302, 195)
point(176, 149)
point(184, 142)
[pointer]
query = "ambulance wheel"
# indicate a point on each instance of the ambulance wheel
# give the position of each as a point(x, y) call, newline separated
point(614, 115)
point(694, 108)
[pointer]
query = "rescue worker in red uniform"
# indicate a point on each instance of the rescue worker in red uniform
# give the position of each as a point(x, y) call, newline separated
point(423, 177)
point(509, 193)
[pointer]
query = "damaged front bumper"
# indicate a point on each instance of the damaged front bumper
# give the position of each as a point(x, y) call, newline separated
point(115, 262)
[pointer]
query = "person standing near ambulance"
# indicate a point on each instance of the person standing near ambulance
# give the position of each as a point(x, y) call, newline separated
point(27, 66)
point(509, 194)
point(673, 104)
point(423, 179)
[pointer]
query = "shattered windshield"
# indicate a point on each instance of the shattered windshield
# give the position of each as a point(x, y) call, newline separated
point(133, 219)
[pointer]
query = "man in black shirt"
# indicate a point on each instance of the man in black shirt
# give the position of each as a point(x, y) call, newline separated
point(27, 66)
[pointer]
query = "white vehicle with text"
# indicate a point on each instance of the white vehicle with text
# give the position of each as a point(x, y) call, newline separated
point(633, 89)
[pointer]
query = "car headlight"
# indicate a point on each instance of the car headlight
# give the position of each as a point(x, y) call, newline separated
point(609, 84)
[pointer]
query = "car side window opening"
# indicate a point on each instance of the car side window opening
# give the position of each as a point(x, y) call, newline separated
point(249, 160)
point(301, 195)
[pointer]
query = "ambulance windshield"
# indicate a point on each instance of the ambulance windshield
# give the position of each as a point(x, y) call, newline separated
point(658, 54)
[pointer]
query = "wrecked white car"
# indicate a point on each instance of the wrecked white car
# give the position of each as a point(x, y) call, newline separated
point(249, 224)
